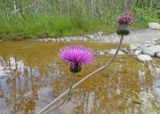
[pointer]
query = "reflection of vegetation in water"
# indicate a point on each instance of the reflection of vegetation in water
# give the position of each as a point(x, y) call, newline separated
point(100, 94)
point(148, 106)
point(19, 87)
point(108, 89)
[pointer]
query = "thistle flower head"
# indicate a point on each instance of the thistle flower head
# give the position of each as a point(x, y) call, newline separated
point(76, 55)
point(125, 19)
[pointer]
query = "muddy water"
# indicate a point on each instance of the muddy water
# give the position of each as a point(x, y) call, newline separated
point(31, 76)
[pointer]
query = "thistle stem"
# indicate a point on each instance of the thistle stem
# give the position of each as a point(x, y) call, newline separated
point(85, 78)
point(67, 96)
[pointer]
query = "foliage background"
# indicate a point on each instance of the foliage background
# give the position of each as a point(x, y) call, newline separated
point(23, 19)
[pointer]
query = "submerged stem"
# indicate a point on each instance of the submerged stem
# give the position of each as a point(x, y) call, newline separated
point(68, 94)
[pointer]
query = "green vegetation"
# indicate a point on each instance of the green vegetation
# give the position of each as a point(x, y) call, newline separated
point(56, 18)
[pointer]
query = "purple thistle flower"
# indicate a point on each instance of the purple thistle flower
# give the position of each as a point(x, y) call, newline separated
point(125, 19)
point(76, 55)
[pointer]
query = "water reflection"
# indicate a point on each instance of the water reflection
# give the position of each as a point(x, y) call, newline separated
point(25, 89)
point(112, 98)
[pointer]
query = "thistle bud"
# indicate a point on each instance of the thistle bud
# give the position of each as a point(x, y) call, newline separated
point(75, 67)
point(123, 30)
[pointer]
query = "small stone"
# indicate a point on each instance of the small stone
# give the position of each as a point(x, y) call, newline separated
point(101, 53)
point(91, 37)
point(154, 25)
point(57, 40)
point(158, 54)
point(68, 40)
point(113, 51)
point(53, 39)
point(152, 50)
point(138, 52)
point(144, 58)
point(62, 40)
point(85, 39)
point(45, 40)
point(134, 46)
point(49, 39)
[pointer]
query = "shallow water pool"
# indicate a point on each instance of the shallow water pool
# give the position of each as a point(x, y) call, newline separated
point(32, 75)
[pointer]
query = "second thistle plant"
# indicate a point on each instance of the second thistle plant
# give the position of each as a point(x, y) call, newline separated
point(124, 21)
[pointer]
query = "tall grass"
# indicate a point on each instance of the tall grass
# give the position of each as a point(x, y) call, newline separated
point(48, 26)
point(57, 18)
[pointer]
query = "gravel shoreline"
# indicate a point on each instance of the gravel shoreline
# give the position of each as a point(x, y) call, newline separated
point(143, 36)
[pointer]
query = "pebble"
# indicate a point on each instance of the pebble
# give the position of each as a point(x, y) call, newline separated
point(85, 39)
point(134, 46)
point(154, 25)
point(68, 40)
point(151, 50)
point(57, 40)
point(61, 39)
point(138, 52)
point(91, 36)
point(101, 53)
point(144, 58)
point(53, 39)
point(113, 51)
point(158, 55)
